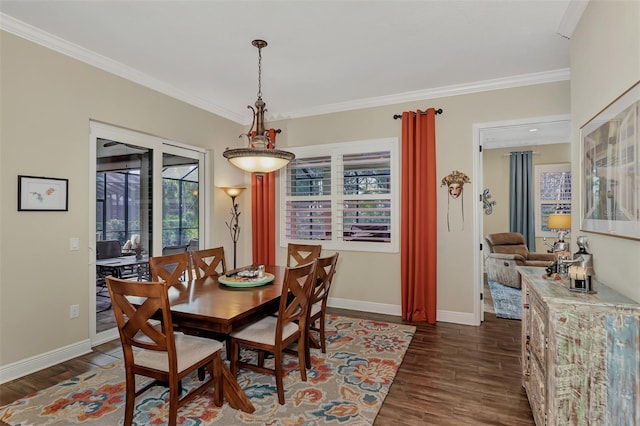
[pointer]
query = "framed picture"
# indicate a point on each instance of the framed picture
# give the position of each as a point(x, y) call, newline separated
point(42, 194)
point(611, 168)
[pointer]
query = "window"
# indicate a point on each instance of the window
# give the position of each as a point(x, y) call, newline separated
point(553, 194)
point(343, 196)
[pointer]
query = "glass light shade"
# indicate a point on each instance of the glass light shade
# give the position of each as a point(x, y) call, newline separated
point(258, 160)
point(559, 221)
point(233, 191)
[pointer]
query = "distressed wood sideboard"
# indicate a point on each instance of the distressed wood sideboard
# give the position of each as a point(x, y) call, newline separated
point(580, 353)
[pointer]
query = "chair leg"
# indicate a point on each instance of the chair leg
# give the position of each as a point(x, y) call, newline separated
point(130, 398)
point(323, 344)
point(233, 361)
point(217, 380)
point(261, 356)
point(304, 357)
point(279, 372)
point(175, 388)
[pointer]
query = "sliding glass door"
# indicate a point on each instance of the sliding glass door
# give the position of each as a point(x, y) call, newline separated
point(148, 195)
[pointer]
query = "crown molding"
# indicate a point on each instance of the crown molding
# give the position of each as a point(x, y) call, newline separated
point(571, 17)
point(439, 92)
point(38, 36)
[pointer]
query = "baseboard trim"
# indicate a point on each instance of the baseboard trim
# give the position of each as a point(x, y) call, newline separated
point(357, 305)
point(463, 318)
point(30, 365)
point(106, 336)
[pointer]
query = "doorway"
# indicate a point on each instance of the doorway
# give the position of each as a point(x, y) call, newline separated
point(148, 195)
point(525, 133)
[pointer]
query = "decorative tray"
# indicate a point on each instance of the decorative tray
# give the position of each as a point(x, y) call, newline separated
point(238, 281)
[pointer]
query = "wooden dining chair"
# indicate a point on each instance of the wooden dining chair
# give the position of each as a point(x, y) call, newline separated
point(172, 268)
point(160, 353)
point(325, 270)
point(274, 334)
point(299, 254)
point(209, 262)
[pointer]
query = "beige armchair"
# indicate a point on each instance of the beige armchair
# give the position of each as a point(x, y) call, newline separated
point(503, 251)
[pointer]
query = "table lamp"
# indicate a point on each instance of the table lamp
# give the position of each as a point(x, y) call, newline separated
point(561, 222)
point(233, 224)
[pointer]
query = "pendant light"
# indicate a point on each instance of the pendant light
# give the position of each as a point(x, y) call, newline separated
point(260, 156)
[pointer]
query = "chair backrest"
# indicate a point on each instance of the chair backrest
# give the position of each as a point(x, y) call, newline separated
point(296, 293)
point(106, 249)
point(325, 269)
point(209, 262)
point(299, 254)
point(133, 322)
point(174, 249)
point(507, 243)
point(172, 268)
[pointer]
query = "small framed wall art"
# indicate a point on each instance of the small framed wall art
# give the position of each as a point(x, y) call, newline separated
point(42, 194)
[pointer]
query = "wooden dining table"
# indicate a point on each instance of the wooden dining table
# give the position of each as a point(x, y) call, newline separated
point(206, 306)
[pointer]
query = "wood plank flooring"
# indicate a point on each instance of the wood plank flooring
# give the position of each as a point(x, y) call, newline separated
point(451, 375)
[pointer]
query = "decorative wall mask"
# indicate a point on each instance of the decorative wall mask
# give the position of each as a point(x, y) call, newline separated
point(486, 204)
point(454, 182)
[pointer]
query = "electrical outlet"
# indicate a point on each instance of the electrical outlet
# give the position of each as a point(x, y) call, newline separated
point(74, 244)
point(74, 311)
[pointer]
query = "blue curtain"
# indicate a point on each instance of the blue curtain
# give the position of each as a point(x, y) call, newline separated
point(521, 207)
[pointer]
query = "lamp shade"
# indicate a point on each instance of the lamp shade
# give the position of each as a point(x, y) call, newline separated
point(559, 221)
point(232, 191)
point(258, 160)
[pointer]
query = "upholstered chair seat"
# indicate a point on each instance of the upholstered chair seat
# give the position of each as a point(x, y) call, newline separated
point(504, 251)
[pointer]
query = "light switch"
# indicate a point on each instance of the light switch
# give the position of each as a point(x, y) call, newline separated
point(74, 244)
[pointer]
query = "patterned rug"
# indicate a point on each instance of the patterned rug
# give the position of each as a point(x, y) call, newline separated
point(507, 301)
point(347, 385)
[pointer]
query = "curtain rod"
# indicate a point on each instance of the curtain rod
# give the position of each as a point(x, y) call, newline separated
point(396, 116)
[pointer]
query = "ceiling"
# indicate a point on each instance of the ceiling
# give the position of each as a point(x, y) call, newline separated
point(323, 56)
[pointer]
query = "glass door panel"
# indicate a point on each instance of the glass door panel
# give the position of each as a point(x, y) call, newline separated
point(124, 176)
point(180, 201)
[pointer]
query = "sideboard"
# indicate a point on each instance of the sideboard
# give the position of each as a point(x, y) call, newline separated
point(580, 353)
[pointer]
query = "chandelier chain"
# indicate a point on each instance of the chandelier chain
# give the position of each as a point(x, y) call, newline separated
point(259, 73)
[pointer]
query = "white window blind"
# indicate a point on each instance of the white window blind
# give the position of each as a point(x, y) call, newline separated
point(342, 195)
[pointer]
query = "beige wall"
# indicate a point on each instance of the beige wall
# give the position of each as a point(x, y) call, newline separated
point(375, 277)
point(47, 102)
point(495, 170)
point(605, 61)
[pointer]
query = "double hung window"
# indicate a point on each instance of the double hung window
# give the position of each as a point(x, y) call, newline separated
point(552, 194)
point(344, 196)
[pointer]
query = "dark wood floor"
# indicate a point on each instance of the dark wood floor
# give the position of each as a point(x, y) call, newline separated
point(451, 375)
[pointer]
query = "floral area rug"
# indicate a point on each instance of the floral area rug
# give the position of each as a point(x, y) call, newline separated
point(347, 385)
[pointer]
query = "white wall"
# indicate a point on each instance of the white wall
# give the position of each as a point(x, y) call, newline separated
point(605, 61)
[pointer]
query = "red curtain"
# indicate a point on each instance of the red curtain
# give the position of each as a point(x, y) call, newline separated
point(263, 215)
point(418, 254)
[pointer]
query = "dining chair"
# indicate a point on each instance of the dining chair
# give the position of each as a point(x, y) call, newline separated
point(172, 268)
point(209, 262)
point(299, 254)
point(274, 334)
point(157, 351)
point(325, 270)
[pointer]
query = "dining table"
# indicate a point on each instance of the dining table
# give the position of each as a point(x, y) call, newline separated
point(207, 306)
